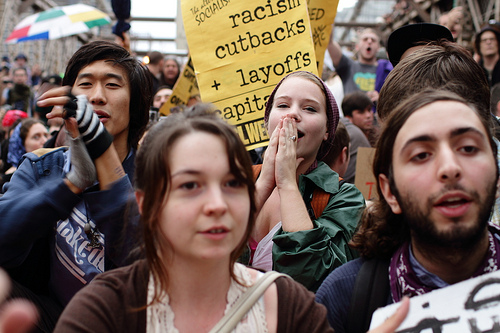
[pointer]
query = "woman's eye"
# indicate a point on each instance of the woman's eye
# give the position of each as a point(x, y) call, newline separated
point(234, 183)
point(311, 109)
point(189, 186)
point(282, 105)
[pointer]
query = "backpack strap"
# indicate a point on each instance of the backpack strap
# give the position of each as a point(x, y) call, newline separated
point(371, 291)
point(256, 168)
point(320, 200)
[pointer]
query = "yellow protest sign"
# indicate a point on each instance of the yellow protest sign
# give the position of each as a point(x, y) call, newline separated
point(322, 15)
point(241, 49)
point(185, 88)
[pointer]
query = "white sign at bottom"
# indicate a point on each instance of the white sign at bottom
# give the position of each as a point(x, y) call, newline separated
point(469, 306)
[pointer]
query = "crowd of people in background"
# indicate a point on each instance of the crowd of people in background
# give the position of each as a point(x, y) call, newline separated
point(134, 223)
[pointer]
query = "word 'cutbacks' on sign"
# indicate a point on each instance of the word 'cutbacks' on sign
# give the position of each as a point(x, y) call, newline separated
point(241, 49)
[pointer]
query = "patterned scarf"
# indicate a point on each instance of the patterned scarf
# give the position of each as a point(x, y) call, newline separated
point(405, 282)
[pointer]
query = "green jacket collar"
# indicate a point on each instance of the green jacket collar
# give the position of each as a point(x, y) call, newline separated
point(323, 177)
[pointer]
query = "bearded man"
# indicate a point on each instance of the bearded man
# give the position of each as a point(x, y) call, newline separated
point(437, 177)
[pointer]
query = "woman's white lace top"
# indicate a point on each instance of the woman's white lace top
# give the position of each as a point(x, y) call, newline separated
point(160, 317)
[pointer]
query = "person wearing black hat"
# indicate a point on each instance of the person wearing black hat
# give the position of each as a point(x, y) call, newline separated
point(438, 65)
point(5, 65)
point(486, 44)
point(21, 60)
point(408, 38)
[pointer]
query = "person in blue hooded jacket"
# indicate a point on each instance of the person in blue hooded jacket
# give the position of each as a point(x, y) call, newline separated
point(63, 211)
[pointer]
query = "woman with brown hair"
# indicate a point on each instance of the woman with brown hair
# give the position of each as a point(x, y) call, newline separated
point(195, 192)
point(28, 135)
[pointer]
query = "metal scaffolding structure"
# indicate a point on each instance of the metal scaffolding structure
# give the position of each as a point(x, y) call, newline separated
point(53, 55)
point(476, 14)
point(402, 12)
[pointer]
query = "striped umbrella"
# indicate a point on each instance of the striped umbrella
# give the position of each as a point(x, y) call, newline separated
point(58, 22)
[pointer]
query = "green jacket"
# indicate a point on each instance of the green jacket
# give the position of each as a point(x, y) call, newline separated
point(310, 255)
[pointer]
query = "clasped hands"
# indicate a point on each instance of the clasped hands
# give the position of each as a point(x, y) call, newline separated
point(279, 168)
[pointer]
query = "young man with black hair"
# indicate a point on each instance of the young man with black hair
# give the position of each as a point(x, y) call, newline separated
point(358, 110)
point(358, 119)
point(64, 211)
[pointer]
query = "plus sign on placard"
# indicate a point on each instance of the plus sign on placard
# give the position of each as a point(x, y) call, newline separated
point(216, 85)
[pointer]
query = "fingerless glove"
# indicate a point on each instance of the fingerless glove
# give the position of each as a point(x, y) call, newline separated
point(95, 136)
point(83, 173)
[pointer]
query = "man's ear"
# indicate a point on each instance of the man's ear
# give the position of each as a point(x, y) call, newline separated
point(139, 197)
point(388, 195)
point(344, 156)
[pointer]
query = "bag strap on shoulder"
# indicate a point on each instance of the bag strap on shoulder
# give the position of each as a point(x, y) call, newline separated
point(245, 303)
point(317, 202)
point(371, 291)
point(256, 168)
